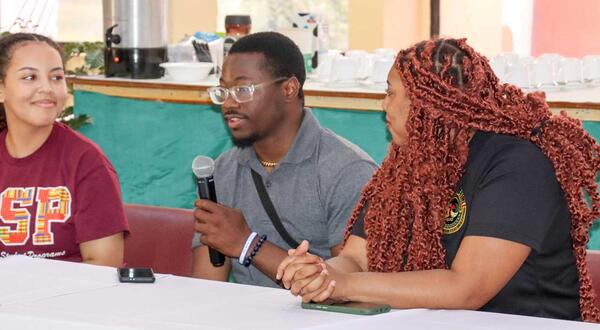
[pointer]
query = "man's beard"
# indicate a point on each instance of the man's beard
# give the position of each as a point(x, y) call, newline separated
point(244, 142)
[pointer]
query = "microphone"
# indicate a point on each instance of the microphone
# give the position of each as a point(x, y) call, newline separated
point(203, 168)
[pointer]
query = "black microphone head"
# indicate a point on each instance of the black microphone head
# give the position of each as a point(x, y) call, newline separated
point(203, 166)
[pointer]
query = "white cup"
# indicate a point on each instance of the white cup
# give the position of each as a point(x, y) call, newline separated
point(362, 61)
point(527, 60)
point(543, 74)
point(551, 58)
point(498, 65)
point(384, 53)
point(343, 69)
point(326, 64)
point(569, 71)
point(591, 68)
point(509, 58)
point(381, 68)
point(518, 75)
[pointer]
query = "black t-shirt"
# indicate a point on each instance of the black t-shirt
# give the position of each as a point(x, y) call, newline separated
point(509, 191)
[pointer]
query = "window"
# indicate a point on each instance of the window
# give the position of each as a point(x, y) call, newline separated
point(269, 15)
point(525, 27)
point(29, 16)
point(62, 20)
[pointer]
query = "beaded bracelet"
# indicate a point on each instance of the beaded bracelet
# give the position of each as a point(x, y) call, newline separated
point(249, 241)
point(260, 242)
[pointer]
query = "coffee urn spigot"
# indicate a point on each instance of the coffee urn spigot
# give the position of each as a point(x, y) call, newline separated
point(111, 38)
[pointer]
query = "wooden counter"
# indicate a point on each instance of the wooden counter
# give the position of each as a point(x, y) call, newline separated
point(316, 95)
point(582, 103)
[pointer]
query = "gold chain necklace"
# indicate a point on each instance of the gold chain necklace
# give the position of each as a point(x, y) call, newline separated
point(267, 164)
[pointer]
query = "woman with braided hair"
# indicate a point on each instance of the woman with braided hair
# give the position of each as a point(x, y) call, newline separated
point(484, 201)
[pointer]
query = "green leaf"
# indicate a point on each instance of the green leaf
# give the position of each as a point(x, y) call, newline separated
point(75, 122)
point(95, 58)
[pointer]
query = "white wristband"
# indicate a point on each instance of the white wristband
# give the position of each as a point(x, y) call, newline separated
point(246, 247)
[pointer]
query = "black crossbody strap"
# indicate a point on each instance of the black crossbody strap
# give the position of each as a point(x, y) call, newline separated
point(270, 209)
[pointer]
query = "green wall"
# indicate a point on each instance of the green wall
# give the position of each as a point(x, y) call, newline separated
point(152, 144)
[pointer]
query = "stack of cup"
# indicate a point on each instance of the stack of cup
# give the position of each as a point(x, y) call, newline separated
point(591, 69)
point(383, 62)
point(343, 70)
point(363, 63)
point(569, 72)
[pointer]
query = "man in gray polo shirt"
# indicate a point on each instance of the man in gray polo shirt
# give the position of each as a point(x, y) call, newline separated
point(312, 176)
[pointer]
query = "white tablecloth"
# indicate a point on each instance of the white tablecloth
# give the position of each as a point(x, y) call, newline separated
point(45, 294)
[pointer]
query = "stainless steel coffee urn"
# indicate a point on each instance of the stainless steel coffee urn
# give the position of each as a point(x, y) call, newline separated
point(136, 38)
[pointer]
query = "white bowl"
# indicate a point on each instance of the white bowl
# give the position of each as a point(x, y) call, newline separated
point(187, 71)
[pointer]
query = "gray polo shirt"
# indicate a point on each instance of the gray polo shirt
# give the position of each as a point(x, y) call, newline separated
point(314, 190)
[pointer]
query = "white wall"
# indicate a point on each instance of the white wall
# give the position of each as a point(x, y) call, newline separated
point(79, 20)
point(518, 16)
point(480, 21)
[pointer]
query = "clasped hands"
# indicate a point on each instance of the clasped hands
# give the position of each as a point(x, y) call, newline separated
point(308, 275)
point(225, 229)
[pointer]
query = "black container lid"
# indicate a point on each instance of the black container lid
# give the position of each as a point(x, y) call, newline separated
point(238, 20)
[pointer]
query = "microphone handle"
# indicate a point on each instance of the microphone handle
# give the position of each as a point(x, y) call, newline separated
point(217, 259)
point(206, 190)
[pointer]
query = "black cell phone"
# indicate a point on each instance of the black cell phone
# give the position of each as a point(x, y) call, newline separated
point(136, 275)
point(352, 307)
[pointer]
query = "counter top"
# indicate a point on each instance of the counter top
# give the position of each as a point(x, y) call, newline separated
point(582, 102)
point(317, 94)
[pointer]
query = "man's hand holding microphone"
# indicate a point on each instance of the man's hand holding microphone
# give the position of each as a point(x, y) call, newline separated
point(224, 230)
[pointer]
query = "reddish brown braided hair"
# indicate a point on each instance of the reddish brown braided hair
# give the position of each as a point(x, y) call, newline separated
point(453, 91)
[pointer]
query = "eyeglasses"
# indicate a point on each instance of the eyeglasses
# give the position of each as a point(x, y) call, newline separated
point(241, 94)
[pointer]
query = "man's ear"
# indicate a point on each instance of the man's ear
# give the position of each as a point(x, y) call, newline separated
point(291, 88)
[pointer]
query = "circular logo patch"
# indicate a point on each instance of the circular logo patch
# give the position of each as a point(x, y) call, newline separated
point(456, 214)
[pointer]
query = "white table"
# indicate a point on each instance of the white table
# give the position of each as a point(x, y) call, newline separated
point(45, 294)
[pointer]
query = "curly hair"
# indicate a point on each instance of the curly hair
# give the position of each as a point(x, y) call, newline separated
point(453, 91)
